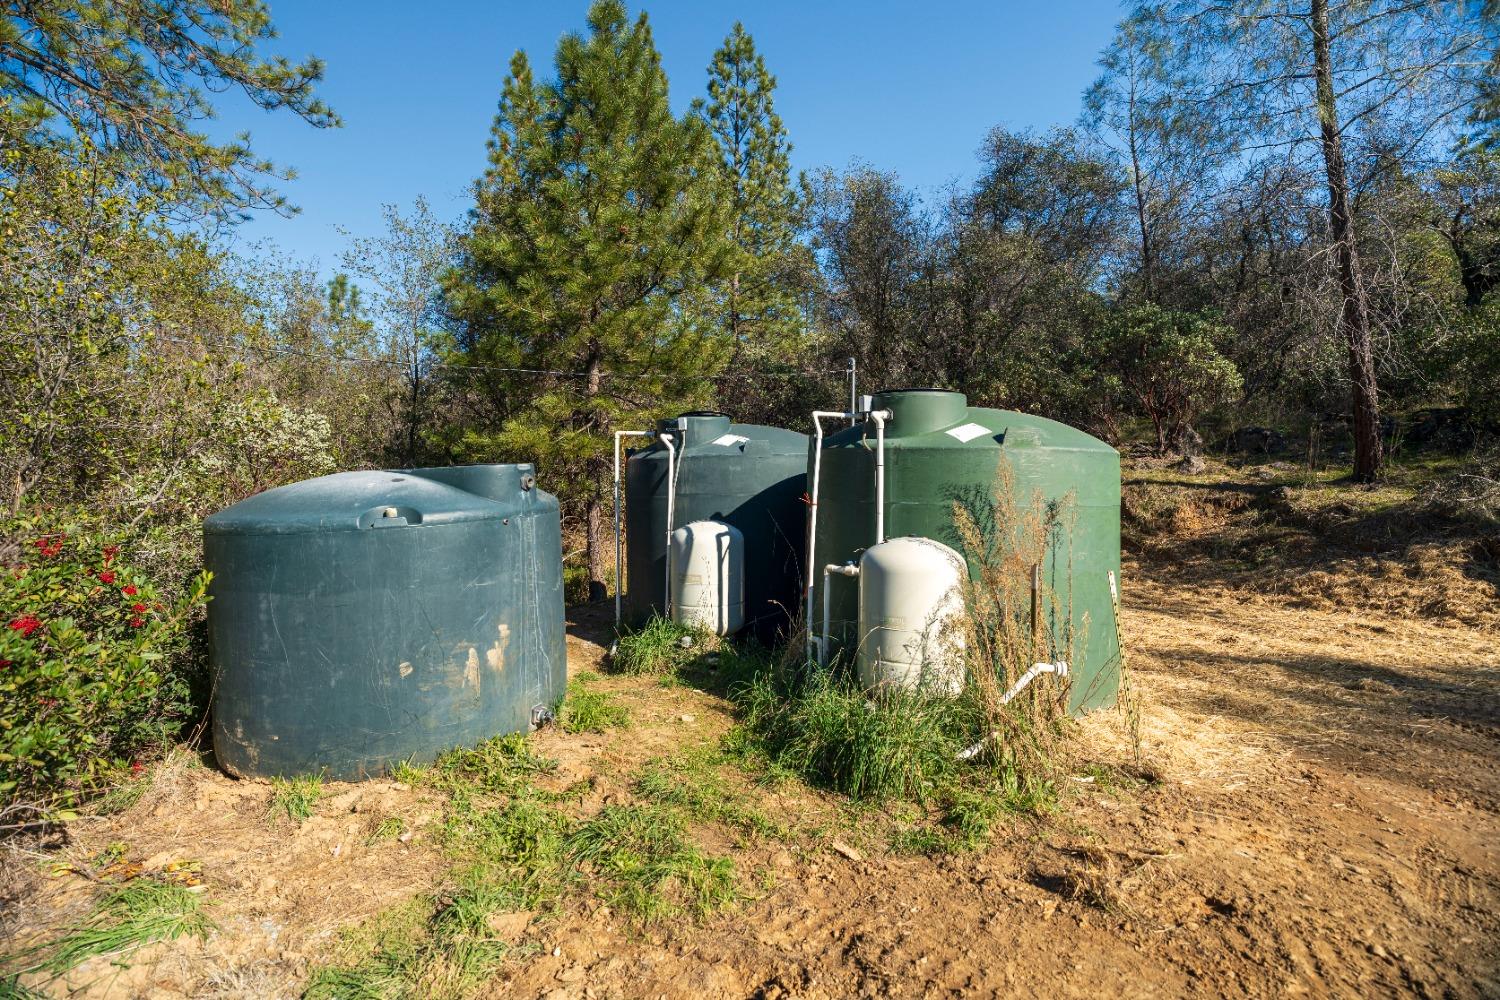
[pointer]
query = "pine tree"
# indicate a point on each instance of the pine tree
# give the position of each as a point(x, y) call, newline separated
point(598, 213)
point(759, 301)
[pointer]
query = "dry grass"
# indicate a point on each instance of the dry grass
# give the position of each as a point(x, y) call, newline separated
point(1402, 548)
point(1015, 616)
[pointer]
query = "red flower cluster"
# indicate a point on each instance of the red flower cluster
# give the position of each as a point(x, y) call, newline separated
point(26, 625)
point(137, 607)
point(137, 621)
point(107, 576)
point(110, 551)
point(50, 547)
point(128, 590)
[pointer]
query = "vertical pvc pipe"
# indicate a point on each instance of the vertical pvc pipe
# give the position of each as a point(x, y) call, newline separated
point(812, 519)
point(880, 417)
point(618, 436)
point(666, 598)
point(812, 532)
point(847, 570)
point(853, 392)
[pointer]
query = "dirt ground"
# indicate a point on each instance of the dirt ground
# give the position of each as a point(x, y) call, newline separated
point(1324, 820)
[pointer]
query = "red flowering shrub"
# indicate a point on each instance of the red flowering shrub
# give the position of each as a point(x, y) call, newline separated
point(87, 675)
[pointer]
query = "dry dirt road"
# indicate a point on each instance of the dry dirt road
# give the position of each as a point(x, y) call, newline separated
point(1325, 821)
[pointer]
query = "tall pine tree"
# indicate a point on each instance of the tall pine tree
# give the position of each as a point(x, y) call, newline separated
point(598, 213)
point(758, 302)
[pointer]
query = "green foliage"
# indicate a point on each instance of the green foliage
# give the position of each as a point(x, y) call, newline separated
point(133, 76)
point(760, 303)
point(501, 764)
point(294, 798)
point(899, 744)
point(419, 949)
point(1169, 364)
point(388, 829)
point(693, 783)
point(1469, 360)
point(404, 266)
point(660, 646)
point(598, 213)
point(647, 866)
point(514, 852)
point(86, 678)
point(128, 917)
point(585, 710)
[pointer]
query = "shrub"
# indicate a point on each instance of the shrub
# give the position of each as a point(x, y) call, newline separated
point(87, 680)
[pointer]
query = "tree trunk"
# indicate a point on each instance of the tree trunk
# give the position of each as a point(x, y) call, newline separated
point(412, 417)
point(1354, 316)
point(597, 542)
point(1148, 259)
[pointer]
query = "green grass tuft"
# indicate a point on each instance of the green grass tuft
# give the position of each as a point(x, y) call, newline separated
point(294, 798)
point(502, 764)
point(129, 917)
point(588, 711)
point(647, 866)
point(693, 783)
point(920, 840)
point(896, 745)
point(387, 829)
point(515, 852)
point(658, 648)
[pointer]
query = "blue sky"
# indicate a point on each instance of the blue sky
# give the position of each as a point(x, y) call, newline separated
point(901, 86)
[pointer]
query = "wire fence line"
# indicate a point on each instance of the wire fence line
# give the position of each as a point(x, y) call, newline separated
point(427, 366)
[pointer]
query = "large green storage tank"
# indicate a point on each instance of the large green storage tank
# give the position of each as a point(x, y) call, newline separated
point(748, 476)
point(939, 450)
point(367, 618)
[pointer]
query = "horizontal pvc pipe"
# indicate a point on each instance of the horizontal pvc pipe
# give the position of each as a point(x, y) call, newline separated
point(1060, 668)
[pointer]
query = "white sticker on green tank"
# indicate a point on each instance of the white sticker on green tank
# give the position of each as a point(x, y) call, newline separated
point(729, 440)
point(968, 432)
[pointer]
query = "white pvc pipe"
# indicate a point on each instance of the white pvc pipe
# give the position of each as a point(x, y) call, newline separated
point(845, 569)
point(618, 436)
point(880, 417)
point(1060, 668)
point(666, 597)
point(812, 522)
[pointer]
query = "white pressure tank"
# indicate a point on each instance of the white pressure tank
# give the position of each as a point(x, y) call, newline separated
point(708, 576)
point(911, 616)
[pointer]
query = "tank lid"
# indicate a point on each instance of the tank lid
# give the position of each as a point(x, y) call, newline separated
point(920, 411)
point(353, 501)
point(697, 427)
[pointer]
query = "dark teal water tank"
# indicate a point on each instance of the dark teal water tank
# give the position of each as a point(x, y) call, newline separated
point(367, 618)
point(745, 475)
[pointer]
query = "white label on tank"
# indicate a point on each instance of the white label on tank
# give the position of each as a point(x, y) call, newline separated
point(968, 432)
point(729, 440)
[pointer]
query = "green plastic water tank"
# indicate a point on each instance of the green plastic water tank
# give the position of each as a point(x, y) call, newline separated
point(367, 618)
point(939, 450)
point(745, 475)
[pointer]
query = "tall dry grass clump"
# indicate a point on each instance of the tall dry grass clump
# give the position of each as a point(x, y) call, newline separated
point(1018, 612)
